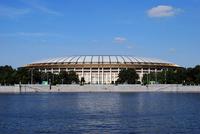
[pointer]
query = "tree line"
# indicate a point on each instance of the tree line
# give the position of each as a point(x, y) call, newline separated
point(11, 76)
point(186, 76)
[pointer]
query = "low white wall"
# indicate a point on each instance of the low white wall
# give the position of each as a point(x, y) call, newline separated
point(99, 88)
point(9, 89)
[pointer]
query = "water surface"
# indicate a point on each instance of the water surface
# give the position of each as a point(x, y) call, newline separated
point(134, 113)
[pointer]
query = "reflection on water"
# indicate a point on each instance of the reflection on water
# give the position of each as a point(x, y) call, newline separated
point(146, 113)
point(98, 103)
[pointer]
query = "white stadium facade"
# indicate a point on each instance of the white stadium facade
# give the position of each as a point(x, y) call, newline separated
point(101, 69)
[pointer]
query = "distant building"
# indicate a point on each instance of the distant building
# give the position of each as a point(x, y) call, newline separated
point(97, 69)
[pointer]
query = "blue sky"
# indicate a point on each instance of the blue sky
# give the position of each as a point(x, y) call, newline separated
point(31, 30)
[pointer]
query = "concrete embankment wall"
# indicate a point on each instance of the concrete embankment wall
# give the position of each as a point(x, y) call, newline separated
point(9, 89)
point(99, 88)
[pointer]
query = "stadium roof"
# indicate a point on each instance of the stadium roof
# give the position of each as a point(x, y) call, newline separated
point(103, 59)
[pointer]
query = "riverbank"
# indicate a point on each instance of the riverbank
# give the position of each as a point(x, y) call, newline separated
point(99, 88)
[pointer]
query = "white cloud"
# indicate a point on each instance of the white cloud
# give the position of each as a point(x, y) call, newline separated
point(29, 34)
point(11, 12)
point(172, 50)
point(40, 7)
point(120, 39)
point(130, 46)
point(47, 10)
point(163, 11)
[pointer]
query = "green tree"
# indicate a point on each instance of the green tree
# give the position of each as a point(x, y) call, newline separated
point(7, 75)
point(196, 74)
point(181, 75)
point(82, 82)
point(23, 75)
point(169, 76)
point(73, 77)
point(128, 76)
point(153, 77)
point(68, 77)
point(147, 78)
point(190, 76)
point(37, 77)
point(63, 77)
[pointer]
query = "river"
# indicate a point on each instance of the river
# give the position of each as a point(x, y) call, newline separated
point(134, 113)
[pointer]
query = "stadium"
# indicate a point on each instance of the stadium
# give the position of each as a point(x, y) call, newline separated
point(101, 69)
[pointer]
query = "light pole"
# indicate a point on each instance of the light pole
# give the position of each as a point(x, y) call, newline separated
point(47, 76)
point(156, 79)
point(147, 79)
point(32, 76)
point(49, 84)
point(62, 81)
point(165, 77)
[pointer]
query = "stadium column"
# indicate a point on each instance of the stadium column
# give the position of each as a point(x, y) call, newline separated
point(45, 70)
point(98, 75)
point(110, 75)
point(118, 71)
point(59, 70)
point(142, 73)
point(102, 76)
point(156, 75)
point(90, 75)
point(51, 70)
point(114, 78)
point(82, 73)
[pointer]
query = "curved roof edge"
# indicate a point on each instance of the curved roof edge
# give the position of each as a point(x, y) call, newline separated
point(102, 59)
